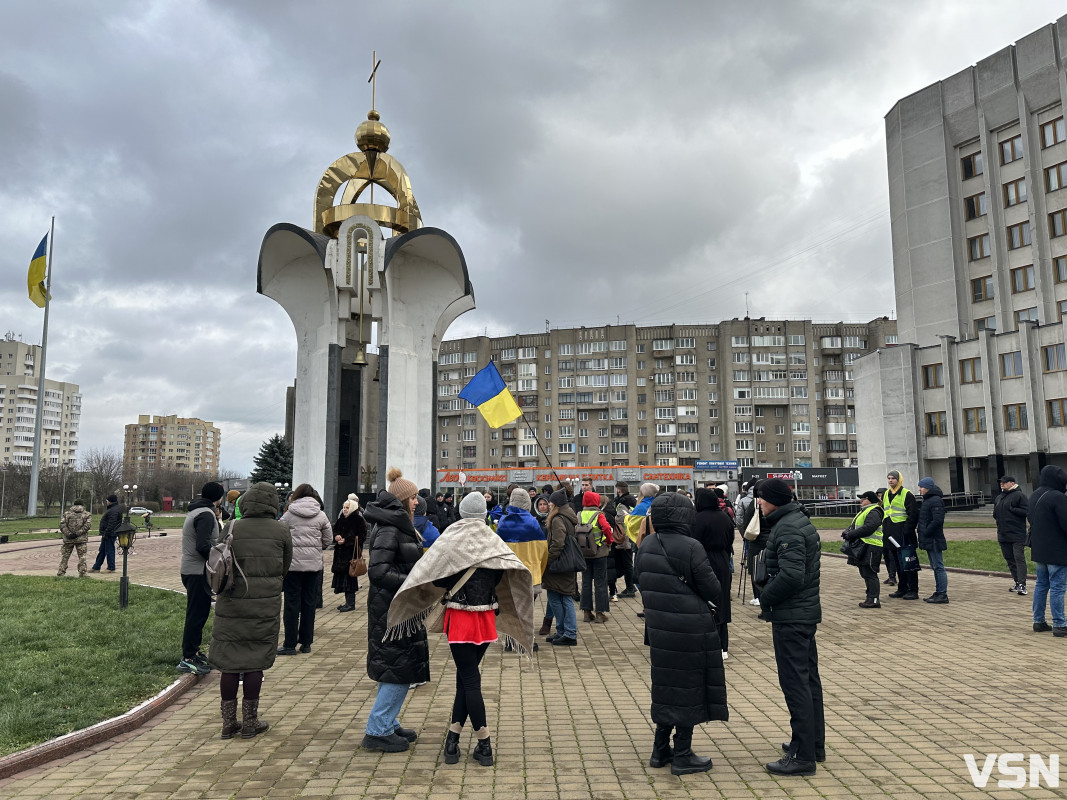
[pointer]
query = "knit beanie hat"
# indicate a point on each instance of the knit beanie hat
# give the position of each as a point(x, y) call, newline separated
point(473, 506)
point(420, 506)
point(558, 498)
point(400, 487)
point(775, 491)
point(520, 498)
point(212, 491)
point(927, 483)
point(111, 498)
point(232, 495)
point(893, 474)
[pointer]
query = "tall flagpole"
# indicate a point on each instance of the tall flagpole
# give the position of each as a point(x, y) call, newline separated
point(35, 469)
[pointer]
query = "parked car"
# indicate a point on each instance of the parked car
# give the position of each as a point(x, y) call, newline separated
point(139, 511)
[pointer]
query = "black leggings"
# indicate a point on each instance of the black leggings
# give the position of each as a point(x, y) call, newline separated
point(469, 702)
point(253, 683)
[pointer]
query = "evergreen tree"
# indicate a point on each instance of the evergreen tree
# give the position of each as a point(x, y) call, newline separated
point(274, 462)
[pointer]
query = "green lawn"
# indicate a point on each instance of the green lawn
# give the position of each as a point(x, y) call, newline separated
point(71, 658)
point(840, 523)
point(981, 555)
point(29, 529)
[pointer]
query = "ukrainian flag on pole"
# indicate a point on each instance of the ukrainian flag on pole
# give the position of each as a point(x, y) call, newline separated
point(35, 277)
point(490, 394)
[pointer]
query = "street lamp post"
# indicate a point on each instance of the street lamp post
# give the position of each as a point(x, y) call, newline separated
point(283, 491)
point(797, 475)
point(125, 533)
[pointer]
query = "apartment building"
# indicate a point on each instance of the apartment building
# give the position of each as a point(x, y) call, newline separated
point(764, 393)
point(19, 381)
point(977, 167)
point(170, 443)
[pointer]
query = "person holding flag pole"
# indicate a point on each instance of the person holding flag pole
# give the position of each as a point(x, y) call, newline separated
point(39, 283)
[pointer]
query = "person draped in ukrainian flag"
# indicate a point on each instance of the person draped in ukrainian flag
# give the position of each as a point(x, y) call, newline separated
point(521, 531)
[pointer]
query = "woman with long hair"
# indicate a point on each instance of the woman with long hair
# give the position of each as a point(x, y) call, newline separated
point(303, 583)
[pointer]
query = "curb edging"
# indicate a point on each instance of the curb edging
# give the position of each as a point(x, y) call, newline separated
point(74, 742)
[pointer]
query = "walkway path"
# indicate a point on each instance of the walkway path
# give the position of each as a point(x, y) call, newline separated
point(969, 677)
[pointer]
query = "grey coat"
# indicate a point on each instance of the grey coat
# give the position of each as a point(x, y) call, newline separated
point(244, 637)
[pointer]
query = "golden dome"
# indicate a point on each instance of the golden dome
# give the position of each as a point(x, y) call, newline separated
point(372, 134)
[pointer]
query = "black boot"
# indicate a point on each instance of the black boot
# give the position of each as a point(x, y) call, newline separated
point(662, 754)
point(685, 761)
point(451, 747)
point(483, 752)
point(350, 602)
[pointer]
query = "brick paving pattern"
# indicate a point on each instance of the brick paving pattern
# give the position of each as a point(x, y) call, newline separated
point(909, 690)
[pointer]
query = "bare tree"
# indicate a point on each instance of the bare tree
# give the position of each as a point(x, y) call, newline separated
point(103, 467)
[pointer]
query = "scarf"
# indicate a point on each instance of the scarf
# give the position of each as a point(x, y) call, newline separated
point(464, 544)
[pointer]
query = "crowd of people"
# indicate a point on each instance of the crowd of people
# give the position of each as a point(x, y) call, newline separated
point(473, 570)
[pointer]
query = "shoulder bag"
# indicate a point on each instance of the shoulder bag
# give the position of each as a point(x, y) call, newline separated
point(570, 558)
point(752, 530)
point(433, 619)
point(358, 565)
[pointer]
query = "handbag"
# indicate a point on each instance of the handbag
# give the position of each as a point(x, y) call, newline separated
point(855, 552)
point(570, 558)
point(358, 565)
point(752, 530)
point(759, 569)
point(909, 558)
point(433, 619)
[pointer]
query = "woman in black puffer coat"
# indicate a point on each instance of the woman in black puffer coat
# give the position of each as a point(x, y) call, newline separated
point(715, 530)
point(393, 547)
point(677, 585)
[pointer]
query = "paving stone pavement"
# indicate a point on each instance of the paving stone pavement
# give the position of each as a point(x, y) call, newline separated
point(909, 690)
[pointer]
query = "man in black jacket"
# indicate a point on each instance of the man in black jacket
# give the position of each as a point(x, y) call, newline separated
point(109, 523)
point(1048, 548)
point(790, 602)
point(621, 549)
point(1009, 510)
point(898, 530)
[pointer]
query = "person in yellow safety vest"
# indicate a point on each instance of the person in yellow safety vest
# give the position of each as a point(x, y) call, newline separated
point(901, 518)
point(866, 528)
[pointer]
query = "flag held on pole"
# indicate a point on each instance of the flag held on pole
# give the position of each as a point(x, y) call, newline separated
point(35, 277)
point(488, 392)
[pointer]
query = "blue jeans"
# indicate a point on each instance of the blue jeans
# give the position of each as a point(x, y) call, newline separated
point(1051, 583)
point(107, 550)
point(384, 716)
point(561, 607)
point(937, 564)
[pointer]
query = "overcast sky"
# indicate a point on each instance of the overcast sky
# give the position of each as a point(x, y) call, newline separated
point(647, 162)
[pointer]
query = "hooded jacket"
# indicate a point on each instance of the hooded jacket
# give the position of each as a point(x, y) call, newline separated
point(427, 530)
point(591, 500)
point(312, 533)
point(392, 549)
point(1009, 510)
point(931, 527)
point(791, 594)
point(112, 516)
point(677, 583)
point(715, 531)
point(244, 636)
point(75, 525)
point(1048, 518)
point(561, 526)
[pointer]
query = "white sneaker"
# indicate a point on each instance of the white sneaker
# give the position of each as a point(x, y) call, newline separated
point(725, 655)
point(754, 601)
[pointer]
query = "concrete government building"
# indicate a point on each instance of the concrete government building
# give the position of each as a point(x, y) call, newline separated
point(764, 393)
point(170, 443)
point(18, 409)
point(977, 169)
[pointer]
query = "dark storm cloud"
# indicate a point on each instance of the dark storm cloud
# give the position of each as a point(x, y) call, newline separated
point(596, 160)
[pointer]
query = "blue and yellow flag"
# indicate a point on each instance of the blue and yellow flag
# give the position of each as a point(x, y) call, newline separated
point(35, 277)
point(490, 394)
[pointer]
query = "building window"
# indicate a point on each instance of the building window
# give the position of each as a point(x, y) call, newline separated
point(935, 424)
point(933, 376)
point(982, 289)
point(975, 205)
point(1026, 315)
point(1054, 358)
point(1061, 306)
point(971, 166)
point(1022, 279)
point(1059, 269)
point(1011, 149)
point(978, 247)
point(971, 370)
point(1011, 364)
point(1057, 413)
point(1015, 192)
point(1057, 223)
point(985, 324)
point(974, 420)
point(1053, 132)
point(1018, 235)
point(1056, 176)
point(1015, 417)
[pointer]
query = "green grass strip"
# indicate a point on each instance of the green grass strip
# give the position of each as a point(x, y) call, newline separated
point(71, 658)
point(980, 555)
point(29, 529)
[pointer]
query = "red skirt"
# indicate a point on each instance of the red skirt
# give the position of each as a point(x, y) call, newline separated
point(469, 627)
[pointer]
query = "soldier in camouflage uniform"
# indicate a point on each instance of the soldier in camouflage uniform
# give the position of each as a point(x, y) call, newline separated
point(75, 529)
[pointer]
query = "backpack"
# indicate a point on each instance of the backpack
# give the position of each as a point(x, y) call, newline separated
point(618, 533)
point(588, 534)
point(221, 565)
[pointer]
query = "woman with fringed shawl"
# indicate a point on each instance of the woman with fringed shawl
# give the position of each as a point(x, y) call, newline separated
point(495, 600)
